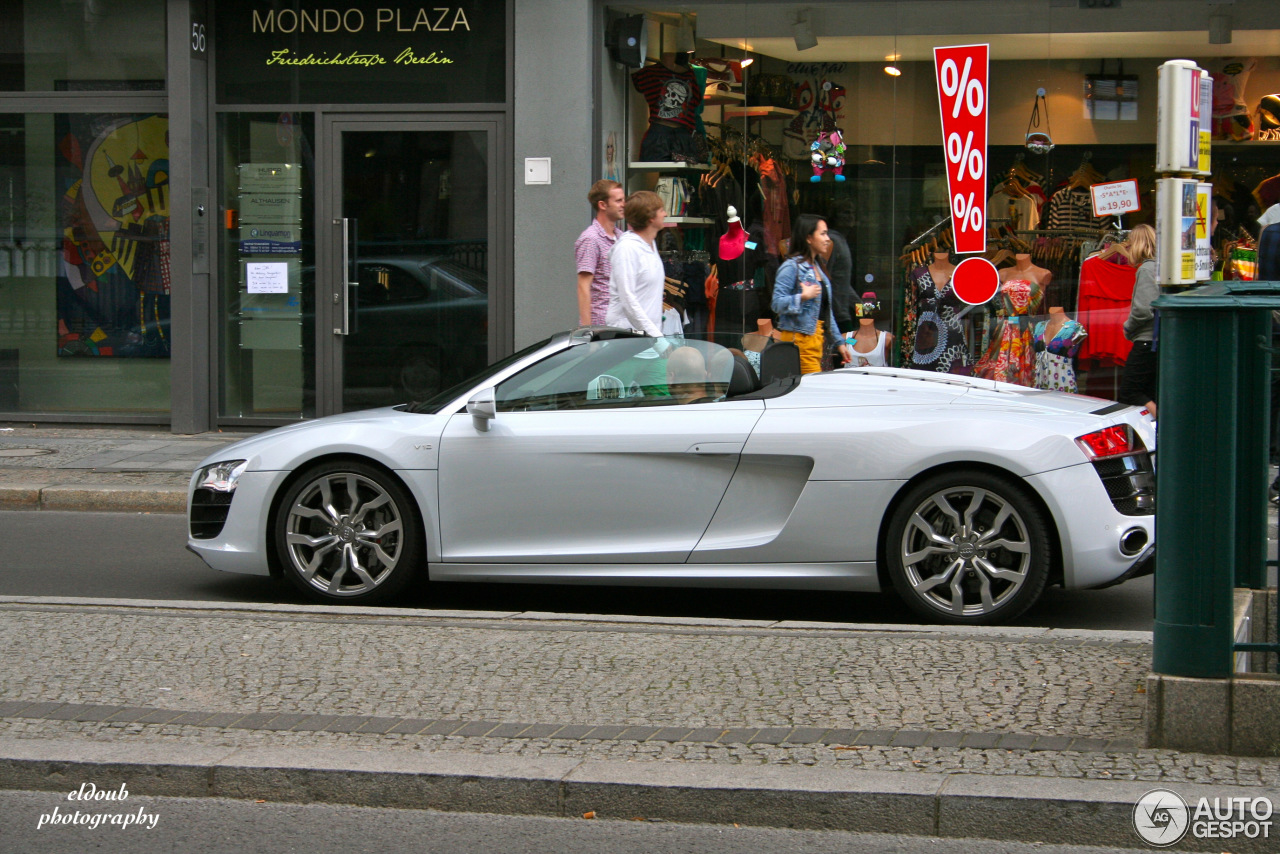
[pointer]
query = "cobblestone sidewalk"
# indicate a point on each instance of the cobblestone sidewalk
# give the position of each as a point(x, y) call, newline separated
point(985, 702)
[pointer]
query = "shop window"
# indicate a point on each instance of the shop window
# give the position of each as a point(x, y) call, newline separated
point(834, 111)
point(82, 46)
point(85, 280)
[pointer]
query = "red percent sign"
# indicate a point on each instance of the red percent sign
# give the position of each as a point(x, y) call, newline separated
point(962, 100)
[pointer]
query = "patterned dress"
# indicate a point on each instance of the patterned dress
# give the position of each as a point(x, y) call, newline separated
point(1010, 356)
point(939, 343)
point(1054, 368)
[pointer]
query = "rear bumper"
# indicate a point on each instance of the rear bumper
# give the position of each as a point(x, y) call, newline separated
point(1144, 565)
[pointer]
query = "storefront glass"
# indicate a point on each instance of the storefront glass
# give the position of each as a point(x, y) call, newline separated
point(84, 263)
point(266, 189)
point(82, 46)
point(866, 69)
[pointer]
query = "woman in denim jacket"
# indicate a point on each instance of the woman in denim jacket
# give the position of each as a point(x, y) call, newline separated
point(802, 296)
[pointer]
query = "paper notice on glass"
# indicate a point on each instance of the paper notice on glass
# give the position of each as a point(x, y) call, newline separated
point(269, 277)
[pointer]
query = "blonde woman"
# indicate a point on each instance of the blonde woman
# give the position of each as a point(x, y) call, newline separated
point(1138, 381)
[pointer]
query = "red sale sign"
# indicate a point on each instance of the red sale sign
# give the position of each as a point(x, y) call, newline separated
point(962, 100)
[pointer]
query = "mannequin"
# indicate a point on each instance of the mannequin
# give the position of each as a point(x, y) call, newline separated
point(1023, 269)
point(738, 255)
point(673, 96)
point(734, 241)
point(1057, 341)
point(1010, 356)
point(939, 343)
point(870, 346)
point(941, 268)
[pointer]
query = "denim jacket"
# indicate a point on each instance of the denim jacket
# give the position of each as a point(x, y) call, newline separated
point(795, 314)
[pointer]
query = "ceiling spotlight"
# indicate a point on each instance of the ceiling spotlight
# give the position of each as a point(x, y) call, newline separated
point(802, 30)
point(1220, 28)
point(893, 71)
point(745, 61)
point(684, 36)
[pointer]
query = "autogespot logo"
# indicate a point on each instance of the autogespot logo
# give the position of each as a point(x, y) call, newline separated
point(1161, 817)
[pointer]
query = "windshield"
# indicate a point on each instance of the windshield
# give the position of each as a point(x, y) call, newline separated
point(432, 405)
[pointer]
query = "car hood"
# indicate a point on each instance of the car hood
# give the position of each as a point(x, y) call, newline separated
point(387, 434)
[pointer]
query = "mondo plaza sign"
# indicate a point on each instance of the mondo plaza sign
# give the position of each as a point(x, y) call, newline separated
point(360, 52)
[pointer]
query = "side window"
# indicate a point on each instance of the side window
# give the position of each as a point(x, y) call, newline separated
point(621, 372)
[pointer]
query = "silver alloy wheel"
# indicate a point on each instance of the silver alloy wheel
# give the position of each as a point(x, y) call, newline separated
point(344, 534)
point(965, 551)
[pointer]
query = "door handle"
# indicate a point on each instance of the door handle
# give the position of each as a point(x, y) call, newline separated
point(707, 448)
point(343, 297)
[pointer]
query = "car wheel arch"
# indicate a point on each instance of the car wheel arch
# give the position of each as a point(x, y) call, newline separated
point(303, 468)
point(882, 539)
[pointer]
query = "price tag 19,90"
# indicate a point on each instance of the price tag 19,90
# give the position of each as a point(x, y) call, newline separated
point(1115, 197)
point(962, 100)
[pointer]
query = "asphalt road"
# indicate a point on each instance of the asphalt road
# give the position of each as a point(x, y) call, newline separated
point(134, 556)
point(217, 826)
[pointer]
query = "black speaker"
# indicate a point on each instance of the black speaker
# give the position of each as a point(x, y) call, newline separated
point(628, 40)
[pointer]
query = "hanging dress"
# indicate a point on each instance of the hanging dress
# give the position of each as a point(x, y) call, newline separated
point(939, 343)
point(1010, 356)
point(1054, 368)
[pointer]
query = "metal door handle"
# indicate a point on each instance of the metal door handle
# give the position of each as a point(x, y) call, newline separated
point(344, 297)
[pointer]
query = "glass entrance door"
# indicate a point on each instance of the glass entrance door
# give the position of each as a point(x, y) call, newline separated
point(406, 290)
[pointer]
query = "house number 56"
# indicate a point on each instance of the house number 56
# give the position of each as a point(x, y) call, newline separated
point(197, 38)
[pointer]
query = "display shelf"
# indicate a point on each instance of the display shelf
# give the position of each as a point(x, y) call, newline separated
point(721, 98)
point(1247, 143)
point(759, 113)
point(662, 166)
point(690, 220)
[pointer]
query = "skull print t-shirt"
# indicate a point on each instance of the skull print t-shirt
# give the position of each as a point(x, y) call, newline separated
point(673, 96)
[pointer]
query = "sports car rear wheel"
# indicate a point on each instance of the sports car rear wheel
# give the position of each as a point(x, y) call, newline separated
point(346, 533)
point(968, 547)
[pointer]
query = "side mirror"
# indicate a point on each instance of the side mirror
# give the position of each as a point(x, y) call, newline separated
point(483, 408)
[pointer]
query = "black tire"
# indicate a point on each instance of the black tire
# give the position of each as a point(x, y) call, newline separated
point(969, 554)
point(348, 533)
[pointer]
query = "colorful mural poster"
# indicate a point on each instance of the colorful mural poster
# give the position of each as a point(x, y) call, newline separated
point(113, 218)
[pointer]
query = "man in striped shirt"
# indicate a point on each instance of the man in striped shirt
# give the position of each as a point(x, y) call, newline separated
point(592, 249)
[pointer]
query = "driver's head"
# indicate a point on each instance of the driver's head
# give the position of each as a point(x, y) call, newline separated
point(686, 365)
point(687, 374)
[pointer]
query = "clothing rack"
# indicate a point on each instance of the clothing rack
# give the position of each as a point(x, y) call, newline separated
point(686, 256)
point(924, 235)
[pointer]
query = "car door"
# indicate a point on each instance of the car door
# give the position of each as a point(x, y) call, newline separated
point(568, 478)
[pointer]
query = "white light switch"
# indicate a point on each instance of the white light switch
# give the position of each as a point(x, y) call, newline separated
point(537, 170)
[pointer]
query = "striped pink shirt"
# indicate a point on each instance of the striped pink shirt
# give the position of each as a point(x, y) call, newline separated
point(592, 249)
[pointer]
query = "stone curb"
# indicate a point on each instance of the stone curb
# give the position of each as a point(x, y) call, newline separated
point(107, 499)
point(1026, 809)
point(249, 609)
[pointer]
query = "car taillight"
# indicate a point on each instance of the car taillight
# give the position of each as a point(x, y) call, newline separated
point(1110, 442)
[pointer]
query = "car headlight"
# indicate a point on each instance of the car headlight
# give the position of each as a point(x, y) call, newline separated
point(221, 477)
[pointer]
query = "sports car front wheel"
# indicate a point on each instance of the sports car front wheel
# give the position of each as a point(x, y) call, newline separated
point(968, 547)
point(346, 534)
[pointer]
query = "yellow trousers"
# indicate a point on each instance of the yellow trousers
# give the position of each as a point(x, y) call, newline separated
point(810, 348)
